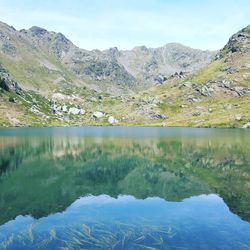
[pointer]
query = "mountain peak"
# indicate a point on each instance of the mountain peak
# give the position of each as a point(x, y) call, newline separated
point(141, 48)
point(62, 38)
point(37, 31)
point(7, 27)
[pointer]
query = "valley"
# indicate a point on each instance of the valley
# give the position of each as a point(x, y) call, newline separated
point(48, 81)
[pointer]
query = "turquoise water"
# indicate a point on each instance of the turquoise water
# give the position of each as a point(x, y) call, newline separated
point(124, 188)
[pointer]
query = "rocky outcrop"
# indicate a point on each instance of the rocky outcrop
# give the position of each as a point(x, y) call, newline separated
point(155, 115)
point(247, 125)
point(212, 88)
point(106, 70)
point(75, 111)
point(7, 83)
point(238, 43)
point(158, 64)
point(58, 109)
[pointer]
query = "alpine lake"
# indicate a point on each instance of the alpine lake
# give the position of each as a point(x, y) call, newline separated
point(124, 188)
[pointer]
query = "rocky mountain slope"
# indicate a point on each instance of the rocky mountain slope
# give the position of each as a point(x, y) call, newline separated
point(216, 95)
point(52, 82)
point(155, 65)
point(42, 60)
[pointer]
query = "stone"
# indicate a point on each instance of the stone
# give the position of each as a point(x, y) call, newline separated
point(76, 111)
point(35, 111)
point(158, 116)
point(247, 125)
point(82, 111)
point(203, 89)
point(98, 114)
point(55, 109)
point(238, 117)
point(197, 113)
point(112, 120)
point(228, 106)
point(64, 109)
point(163, 116)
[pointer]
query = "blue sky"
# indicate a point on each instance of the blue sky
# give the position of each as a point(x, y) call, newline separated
point(90, 24)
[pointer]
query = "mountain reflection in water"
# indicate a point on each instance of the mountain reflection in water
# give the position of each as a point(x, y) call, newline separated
point(116, 171)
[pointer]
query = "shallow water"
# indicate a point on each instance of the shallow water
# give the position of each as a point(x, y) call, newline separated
point(124, 188)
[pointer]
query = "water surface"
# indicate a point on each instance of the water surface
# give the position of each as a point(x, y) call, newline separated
point(124, 188)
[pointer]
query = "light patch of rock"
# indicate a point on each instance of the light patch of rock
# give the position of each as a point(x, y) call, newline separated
point(76, 111)
point(58, 96)
point(247, 125)
point(238, 117)
point(98, 114)
point(112, 120)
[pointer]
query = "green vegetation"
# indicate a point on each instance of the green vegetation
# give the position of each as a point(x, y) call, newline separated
point(246, 30)
point(209, 72)
point(60, 170)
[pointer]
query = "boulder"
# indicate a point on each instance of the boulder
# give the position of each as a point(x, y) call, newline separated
point(82, 111)
point(8, 84)
point(197, 113)
point(76, 111)
point(64, 109)
point(98, 114)
point(158, 116)
point(238, 117)
point(247, 125)
point(112, 120)
point(56, 109)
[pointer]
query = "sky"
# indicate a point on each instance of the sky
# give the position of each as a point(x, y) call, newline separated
point(101, 24)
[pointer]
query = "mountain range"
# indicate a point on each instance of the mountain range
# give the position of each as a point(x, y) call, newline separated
point(47, 80)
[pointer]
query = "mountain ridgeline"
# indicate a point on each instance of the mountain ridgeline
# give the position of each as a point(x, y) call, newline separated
point(46, 80)
point(37, 53)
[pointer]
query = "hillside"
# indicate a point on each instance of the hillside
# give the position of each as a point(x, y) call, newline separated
point(217, 95)
point(53, 82)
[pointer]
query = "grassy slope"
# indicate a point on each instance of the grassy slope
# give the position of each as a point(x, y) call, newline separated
point(215, 112)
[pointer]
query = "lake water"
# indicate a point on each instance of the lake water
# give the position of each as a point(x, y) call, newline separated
point(124, 188)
